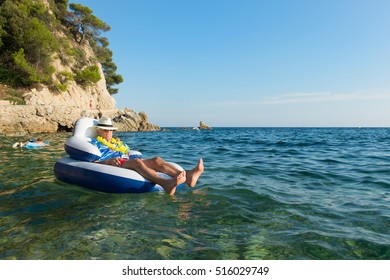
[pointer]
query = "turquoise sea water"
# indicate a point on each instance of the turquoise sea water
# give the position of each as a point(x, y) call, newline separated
point(266, 193)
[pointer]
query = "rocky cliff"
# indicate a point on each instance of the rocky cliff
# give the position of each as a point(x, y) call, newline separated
point(47, 112)
point(55, 107)
point(50, 110)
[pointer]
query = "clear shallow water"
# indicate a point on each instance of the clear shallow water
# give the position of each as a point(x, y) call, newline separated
point(266, 193)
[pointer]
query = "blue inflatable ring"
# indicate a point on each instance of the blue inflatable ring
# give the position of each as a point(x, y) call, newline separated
point(79, 168)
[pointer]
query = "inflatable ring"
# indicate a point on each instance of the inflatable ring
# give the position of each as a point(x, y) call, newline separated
point(79, 168)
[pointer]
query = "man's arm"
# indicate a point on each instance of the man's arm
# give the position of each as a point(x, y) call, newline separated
point(110, 161)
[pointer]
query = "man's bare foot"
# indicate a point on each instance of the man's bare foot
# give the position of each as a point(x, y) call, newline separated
point(194, 174)
point(170, 184)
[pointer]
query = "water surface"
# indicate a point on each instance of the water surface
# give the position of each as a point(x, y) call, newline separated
point(266, 193)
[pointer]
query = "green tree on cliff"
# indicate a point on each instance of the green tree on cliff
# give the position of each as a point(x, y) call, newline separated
point(60, 9)
point(84, 25)
point(104, 54)
point(2, 20)
point(28, 42)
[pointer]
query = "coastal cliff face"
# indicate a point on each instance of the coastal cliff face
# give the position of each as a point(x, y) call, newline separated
point(21, 120)
point(47, 110)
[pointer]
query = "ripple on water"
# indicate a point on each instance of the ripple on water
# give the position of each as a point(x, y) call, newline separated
point(265, 194)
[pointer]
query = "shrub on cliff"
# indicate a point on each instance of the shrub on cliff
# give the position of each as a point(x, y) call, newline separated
point(29, 36)
point(88, 76)
point(84, 25)
point(27, 43)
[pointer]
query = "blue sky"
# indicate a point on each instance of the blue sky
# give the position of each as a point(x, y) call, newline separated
point(252, 62)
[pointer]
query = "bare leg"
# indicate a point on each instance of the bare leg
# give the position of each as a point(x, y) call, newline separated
point(194, 174)
point(148, 173)
point(162, 166)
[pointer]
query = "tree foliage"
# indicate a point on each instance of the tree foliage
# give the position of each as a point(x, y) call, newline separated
point(28, 42)
point(100, 47)
point(88, 76)
point(84, 25)
point(2, 32)
point(60, 9)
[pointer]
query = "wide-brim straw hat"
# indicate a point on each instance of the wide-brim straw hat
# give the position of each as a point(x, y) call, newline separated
point(106, 124)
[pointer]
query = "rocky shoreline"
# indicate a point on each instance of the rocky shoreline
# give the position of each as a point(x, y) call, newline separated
point(46, 111)
point(21, 120)
point(55, 105)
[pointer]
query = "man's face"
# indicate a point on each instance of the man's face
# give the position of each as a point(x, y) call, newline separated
point(106, 134)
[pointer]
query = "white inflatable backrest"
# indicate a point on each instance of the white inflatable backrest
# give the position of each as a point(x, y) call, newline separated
point(85, 127)
point(79, 147)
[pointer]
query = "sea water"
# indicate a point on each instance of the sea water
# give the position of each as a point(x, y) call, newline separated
point(266, 193)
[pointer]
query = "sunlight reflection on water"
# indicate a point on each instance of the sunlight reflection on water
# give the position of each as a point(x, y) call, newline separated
point(265, 194)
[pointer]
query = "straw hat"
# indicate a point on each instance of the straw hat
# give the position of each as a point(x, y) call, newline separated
point(106, 124)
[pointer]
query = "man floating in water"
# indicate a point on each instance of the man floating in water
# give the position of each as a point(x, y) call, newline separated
point(115, 152)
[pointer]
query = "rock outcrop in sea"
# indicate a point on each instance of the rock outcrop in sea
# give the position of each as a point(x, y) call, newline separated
point(203, 125)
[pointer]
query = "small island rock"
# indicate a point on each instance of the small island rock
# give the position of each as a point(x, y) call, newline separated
point(203, 125)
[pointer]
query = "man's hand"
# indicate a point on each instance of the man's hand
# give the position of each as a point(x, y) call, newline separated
point(114, 161)
point(111, 161)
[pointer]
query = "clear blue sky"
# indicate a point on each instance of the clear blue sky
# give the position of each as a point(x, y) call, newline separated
point(252, 62)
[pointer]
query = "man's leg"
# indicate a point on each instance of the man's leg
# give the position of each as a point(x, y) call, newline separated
point(193, 175)
point(150, 174)
point(160, 165)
